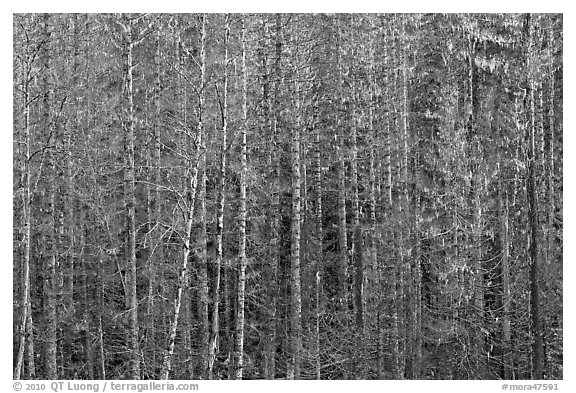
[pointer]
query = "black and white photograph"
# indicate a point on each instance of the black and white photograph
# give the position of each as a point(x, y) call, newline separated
point(287, 196)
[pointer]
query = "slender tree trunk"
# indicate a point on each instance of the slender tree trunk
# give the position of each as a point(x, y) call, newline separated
point(242, 246)
point(517, 190)
point(68, 205)
point(296, 303)
point(274, 161)
point(549, 167)
point(551, 151)
point(319, 252)
point(506, 298)
point(359, 306)
point(183, 273)
point(401, 153)
point(274, 289)
point(537, 344)
point(226, 326)
point(415, 268)
point(156, 208)
point(400, 148)
point(51, 240)
point(85, 296)
point(203, 289)
point(396, 368)
point(220, 212)
point(204, 332)
point(342, 227)
point(100, 308)
point(30, 358)
point(130, 204)
point(550, 205)
point(416, 279)
point(409, 268)
point(375, 239)
point(357, 244)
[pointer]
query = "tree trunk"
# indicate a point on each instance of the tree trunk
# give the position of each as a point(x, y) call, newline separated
point(410, 327)
point(51, 237)
point(130, 203)
point(227, 325)
point(396, 369)
point(183, 273)
point(295, 284)
point(242, 246)
point(401, 198)
point(100, 307)
point(214, 340)
point(30, 358)
point(155, 213)
point(358, 261)
point(537, 344)
point(274, 162)
point(506, 298)
point(376, 269)
point(85, 324)
point(319, 253)
point(342, 227)
point(550, 176)
point(204, 331)
point(396, 120)
point(474, 153)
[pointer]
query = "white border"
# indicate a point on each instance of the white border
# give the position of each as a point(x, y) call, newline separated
point(294, 6)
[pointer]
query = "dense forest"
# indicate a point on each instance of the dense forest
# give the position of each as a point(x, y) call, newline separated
point(287, 196)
